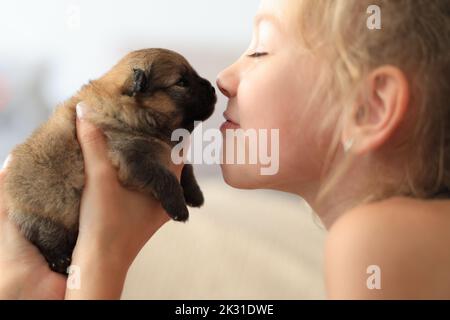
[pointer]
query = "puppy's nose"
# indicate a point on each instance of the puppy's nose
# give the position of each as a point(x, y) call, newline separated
point(208, 85)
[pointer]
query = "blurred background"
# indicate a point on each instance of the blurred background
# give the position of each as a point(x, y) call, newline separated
point(241, 244)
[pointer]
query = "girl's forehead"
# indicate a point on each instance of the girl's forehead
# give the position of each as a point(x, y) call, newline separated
point(280, 16)
point(275, 7)
point(276, 11)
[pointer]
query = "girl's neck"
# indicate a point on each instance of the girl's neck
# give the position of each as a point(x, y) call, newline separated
point(346, 195)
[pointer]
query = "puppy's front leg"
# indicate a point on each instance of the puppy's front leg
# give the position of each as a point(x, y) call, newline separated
point(140, 170)
point(192, 192)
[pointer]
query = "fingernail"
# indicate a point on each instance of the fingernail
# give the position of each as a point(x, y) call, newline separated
point(82, 110)
point(7, 161)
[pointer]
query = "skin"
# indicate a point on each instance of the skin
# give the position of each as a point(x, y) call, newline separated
point(407, 238)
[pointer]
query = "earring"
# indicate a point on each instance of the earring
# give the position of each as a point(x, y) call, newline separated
point(348, 144)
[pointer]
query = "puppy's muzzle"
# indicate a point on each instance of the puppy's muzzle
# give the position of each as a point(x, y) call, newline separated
point(208, 100)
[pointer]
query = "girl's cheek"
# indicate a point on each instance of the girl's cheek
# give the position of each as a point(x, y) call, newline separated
point(258, 89)
point(255, 105)
point(267, 94)
point(249, 102)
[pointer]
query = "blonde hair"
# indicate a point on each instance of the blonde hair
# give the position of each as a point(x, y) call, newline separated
point(415, 37)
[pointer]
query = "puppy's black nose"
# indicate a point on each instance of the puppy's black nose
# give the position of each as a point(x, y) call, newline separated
point(205, 83)
point(213, 90)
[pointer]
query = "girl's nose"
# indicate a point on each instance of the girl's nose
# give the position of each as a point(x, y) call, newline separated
point(222, 88)
point(227, 82)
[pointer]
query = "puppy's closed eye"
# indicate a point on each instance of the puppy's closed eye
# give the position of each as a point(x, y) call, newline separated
point(183, 82)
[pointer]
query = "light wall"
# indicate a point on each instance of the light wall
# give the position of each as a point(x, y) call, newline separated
point(49, 48)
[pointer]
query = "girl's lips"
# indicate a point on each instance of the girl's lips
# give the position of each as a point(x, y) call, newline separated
point(229, 125)
point(228, 118)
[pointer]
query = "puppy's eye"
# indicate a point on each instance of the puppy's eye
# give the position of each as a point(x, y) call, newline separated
point(182, 83)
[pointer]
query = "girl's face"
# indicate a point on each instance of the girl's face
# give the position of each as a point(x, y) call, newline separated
point(268, 88)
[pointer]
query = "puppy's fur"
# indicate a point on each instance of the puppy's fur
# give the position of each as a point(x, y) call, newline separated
point(137, 104)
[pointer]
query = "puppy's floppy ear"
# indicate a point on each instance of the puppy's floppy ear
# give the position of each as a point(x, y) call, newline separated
point(137, 84)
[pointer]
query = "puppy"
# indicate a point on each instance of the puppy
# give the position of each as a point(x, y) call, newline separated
point(137, 104)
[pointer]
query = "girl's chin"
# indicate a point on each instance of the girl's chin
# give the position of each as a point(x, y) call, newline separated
point(241, 176)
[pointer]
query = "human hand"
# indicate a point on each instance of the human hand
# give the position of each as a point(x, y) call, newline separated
point(115, 223)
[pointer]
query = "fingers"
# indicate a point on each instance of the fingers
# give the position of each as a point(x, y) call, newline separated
point(93, 145)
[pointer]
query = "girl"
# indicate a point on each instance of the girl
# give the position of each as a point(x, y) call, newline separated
point(363, 120)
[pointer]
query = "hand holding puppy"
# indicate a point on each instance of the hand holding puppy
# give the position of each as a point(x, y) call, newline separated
point(115, 224)
point(109, 213)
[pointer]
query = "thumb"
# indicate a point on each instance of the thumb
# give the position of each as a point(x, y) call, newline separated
point(93, 143)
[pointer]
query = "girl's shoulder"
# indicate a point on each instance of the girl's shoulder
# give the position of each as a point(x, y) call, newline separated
point(399, 214)
point(404, 241)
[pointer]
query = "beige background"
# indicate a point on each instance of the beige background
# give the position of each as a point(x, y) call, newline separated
point(240, 245)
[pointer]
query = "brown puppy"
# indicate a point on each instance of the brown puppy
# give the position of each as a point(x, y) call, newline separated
point(137, 104)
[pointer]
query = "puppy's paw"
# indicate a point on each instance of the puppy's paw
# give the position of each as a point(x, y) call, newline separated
point(191, 190)
point(59, 265)
point(194, 198)
point(177, 210)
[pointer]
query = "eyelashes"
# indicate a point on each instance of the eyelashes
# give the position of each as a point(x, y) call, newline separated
point(258, 54)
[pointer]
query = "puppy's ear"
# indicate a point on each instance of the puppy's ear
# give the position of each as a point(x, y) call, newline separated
point(137, 84)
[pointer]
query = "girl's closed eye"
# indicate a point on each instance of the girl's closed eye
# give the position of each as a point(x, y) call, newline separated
point(258, 54)
point(263, 39)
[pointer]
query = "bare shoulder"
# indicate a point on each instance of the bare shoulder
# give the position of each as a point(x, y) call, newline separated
point(397, 248)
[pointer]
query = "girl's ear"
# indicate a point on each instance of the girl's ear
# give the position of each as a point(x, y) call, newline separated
point(383, 103)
